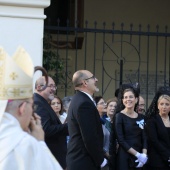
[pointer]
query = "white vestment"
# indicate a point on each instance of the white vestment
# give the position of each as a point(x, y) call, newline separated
point(21, 151)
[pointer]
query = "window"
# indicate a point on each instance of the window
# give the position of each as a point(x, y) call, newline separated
point(73, 10)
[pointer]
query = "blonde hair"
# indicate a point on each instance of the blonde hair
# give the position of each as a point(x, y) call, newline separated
point(164, 96)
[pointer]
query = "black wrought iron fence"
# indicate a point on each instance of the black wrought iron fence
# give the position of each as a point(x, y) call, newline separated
point(114, 56)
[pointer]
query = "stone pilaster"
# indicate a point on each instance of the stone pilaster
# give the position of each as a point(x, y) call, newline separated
point(21, 23)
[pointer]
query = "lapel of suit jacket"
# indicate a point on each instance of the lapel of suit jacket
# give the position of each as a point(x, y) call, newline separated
point(81, 93)
point(47, 106)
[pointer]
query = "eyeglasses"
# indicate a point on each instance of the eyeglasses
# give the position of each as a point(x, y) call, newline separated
point(51, 86)
point(92, 77)
point(101, 103)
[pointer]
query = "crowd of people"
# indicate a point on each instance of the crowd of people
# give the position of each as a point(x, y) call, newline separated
point(81, 132)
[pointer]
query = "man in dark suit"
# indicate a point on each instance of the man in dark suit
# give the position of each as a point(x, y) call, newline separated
point(55, 131)
point(85, 148)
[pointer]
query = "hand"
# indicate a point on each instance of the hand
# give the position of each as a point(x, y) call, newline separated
point(142, 157)
point(103, 163)
point(36, 128)
point(140, 164)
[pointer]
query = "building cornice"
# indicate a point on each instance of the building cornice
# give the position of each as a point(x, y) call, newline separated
point(30, 9)
point(26, 3)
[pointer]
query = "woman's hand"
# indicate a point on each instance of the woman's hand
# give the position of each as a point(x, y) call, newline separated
point(141, 157)
point(139, 164)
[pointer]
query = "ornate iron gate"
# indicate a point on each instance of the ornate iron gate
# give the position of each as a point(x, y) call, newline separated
point(114, 56)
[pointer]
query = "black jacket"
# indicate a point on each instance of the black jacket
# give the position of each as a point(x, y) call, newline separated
point(159, 142)
point(85, 148)
point(55, 131)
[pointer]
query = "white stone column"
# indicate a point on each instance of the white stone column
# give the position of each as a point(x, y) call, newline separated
point(21, 23)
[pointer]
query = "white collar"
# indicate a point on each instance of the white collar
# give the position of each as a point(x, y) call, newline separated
point(88, 95)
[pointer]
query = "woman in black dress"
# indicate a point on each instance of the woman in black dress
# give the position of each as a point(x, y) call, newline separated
point(158, 131)
point(129, 129)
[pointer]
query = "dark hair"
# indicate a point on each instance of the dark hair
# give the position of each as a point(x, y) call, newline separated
point(61, 111)
point(134, 88)
point(116, 92)
point(97, 99)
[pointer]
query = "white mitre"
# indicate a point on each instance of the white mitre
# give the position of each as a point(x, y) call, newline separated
point(16, 77)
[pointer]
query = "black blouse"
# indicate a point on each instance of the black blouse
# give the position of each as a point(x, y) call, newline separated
point(168, 129)
point(130, 132)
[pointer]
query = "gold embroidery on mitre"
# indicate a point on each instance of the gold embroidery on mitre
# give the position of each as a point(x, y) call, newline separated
point(15, 93)
point(13, 76)
point(16, 75)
